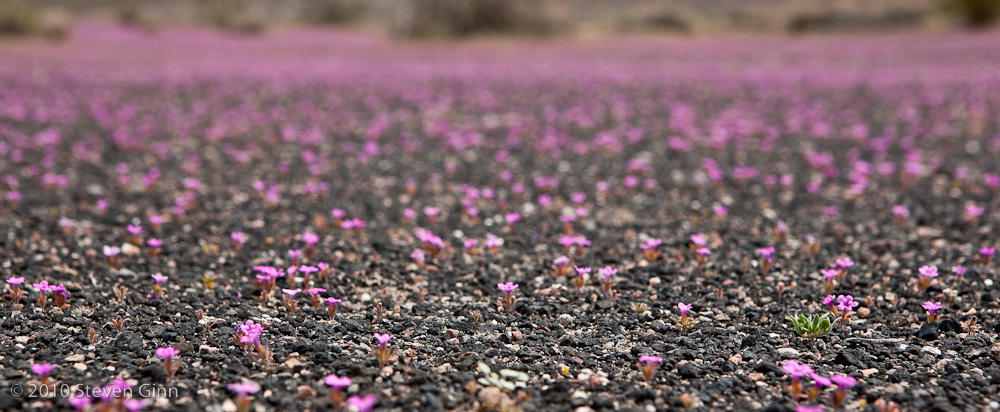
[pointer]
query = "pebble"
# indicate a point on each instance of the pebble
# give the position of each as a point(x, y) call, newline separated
point(931, 350)
point(787, 353)
point(76, 358)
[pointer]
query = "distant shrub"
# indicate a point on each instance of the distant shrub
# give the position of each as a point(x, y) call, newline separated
point(24, 18)
point(20, 18)
point(466, 18)
point(229, 15)
point(975, 13)
point(335, 12)
point(841, 20)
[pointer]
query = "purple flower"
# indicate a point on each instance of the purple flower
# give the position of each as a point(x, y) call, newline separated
point(959, 270)
point(796, 369)
point(135, 405)
point(42, 369)
point(244, 388)
point(507, 287)
point(383, 339)
point(931, 306)
point(362, 404)
point(294, 253)
point(843, 381)
point(238, 237)
point(337, 382)
point(987, 251)
point(829, 300)
point(310, 238)
point(821, 382)
point(332, 301)
point(830, 274)
point(846, 303)
point(928, 271)
point(651, 243)
point(699, 239)
point(291, 292)
point(559, 261)
point(158, 278)
point(167, 352)
point(42, 286)
point(684, 308)
point(900, 210)
point(80, 401)
point(843, 263)
point(581, 271)
point(15, 281)
point(650, 359)
point(607, 272)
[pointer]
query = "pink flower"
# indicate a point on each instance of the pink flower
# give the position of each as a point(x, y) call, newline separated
point(135, 405)
point(42, 369)
point(470, 243)
point(830, 274)
point(244, 388)
point(332, 301)
point(959, 270)
point(931, 306)
point(362, 404)
point(238, 237)
point(111, 251)
point(383, 339)
point(607, 272)
point(843, 381)
point(167, 352)
point(684, 308)
point(15, 281)
point(560, 261)
point(154, 243)
point(310, 238)
point(80, 401)
point(900, 211)
point(829, 300)
point(134, 230)
point(158, 278)
point(820, 381)
point(418, 255)
point(581, 271)
point(767, 252)
point(928, 271)
point(291, 292)
point(974, 211)
point(651, 243)
point(703, 251)
point(804, 408)
point(846, 303)
point(294, 253)
point(987, 251)
point(650, 359)
point(338, 213)
point(337, 382)
point(512, 218)
point(843, 263)
point(796, 369)
point(507, 287)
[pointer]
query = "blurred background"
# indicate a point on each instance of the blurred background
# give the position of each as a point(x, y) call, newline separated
point(458, 19)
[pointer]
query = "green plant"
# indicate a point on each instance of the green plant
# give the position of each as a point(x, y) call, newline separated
point(813, 326)
point(974, 13)
point(507, 379)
